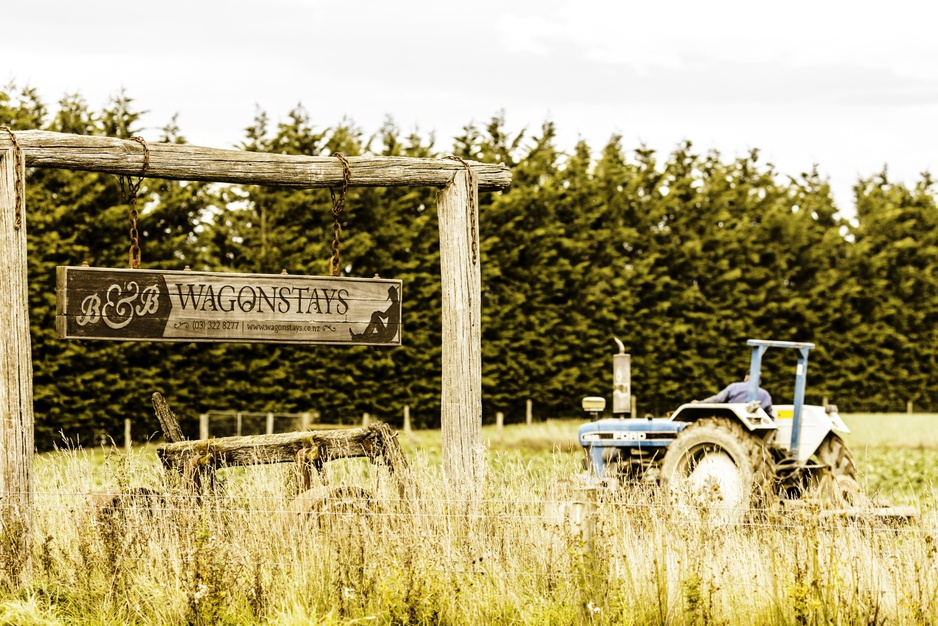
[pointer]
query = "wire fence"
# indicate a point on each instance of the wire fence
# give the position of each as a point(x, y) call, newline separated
point(580, 513)
point(247, 423)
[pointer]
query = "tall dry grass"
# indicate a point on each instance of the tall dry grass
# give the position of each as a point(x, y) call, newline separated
point(250, 553)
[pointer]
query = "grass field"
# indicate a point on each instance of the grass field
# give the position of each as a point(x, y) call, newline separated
point(896, 454)
point(245, 555)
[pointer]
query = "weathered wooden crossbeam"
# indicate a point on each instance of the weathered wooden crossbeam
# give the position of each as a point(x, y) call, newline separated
point(45, 149)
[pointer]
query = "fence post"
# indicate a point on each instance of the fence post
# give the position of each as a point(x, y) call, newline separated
point(203, 426)
point(270, 423)
point(407, 430)
point(529, 412)
point(824, 401)
point(634, 406)
point(908, 407)
point(366, 419)
point(305, 421)
point(499, 421)
point(238, 424)
point(127, 443)
point(583, 516)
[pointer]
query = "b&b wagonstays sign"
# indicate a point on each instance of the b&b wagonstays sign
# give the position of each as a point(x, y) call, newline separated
point(158, 305)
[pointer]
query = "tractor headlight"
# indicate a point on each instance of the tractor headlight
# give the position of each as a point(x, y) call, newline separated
point(594, 404)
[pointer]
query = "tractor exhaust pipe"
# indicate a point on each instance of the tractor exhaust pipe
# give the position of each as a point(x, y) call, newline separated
point(621, 381)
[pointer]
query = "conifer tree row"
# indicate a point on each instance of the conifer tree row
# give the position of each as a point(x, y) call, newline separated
point(682, 256)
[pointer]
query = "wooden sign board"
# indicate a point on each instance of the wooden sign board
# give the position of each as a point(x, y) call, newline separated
point(158, 305)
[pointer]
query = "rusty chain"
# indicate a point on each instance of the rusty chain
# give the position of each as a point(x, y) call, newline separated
point(474, 240)
point(18, 178)
point(338, 203)
point(129, 195)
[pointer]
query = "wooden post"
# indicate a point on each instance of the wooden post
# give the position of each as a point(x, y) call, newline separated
point(270, 423)
point(634, 406)
point(499, 421)
point(583, 517)
point(366, 419)
point(908, 407)
point(168, 421)
point(203, 426)
point(127, 442)
point(305, 421)
point(460, 272)
point(407, 430)
point(16, 366)
point(238, 425)
point(529, 412)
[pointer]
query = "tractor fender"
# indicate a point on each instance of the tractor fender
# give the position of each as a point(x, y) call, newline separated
point(752, 416)
point(816, 423)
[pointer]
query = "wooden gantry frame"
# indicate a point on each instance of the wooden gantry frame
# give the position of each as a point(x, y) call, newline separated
point(461, 393)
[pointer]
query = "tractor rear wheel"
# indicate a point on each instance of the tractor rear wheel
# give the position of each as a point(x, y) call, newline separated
point(716, 466)
point(837, 483)
point(833, 452)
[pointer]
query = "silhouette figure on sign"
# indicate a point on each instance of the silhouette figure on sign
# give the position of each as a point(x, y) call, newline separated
point(384, 324)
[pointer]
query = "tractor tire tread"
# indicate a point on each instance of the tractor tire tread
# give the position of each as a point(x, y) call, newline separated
point(753, 449)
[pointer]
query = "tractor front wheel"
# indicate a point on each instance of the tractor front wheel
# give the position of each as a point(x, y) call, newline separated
point(716, 466)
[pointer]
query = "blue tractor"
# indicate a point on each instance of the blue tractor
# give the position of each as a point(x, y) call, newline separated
point(733, 453)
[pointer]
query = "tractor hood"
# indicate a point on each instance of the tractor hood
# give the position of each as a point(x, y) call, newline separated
point(655, 432)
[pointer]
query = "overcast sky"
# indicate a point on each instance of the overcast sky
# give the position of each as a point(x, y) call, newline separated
point(850, 86)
